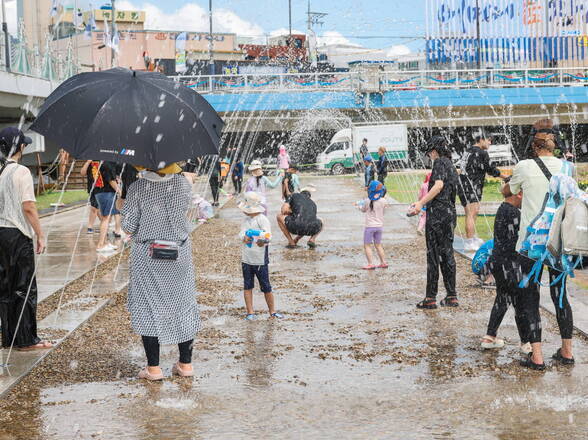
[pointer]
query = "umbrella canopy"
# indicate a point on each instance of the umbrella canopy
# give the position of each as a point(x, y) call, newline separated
point(141, 118)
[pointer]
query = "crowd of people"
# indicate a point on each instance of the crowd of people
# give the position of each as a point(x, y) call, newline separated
point(161, 302)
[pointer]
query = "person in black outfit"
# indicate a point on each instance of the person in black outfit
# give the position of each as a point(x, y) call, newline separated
point(474, 165)
point(504, 265)
point(215, 179)
point(298, 217)
point(441, 220)
point(382, 165)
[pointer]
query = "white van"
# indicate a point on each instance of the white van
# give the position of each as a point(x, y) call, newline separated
point(343, 150)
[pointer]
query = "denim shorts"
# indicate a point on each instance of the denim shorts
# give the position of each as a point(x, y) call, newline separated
point(106, 203)
point(262, 274)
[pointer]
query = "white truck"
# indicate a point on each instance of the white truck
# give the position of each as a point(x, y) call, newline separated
point(343, 150)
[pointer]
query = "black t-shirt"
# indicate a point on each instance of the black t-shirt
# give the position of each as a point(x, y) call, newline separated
point(303, 209)
point(475, 165)
point(109, 171)
point(442, 207)
point(506, 232)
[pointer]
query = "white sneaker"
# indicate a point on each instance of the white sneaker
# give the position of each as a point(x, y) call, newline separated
point(526, 348)
point(496, 343)
point(104, 250)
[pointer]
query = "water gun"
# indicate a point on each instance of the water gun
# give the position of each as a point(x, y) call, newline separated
point(258, 235)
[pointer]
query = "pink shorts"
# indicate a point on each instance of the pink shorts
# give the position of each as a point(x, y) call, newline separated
point(372, 235)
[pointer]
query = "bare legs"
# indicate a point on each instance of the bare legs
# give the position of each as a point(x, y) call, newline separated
point(370, 256)
point(269, 299)
point(104, 221)
point(281, 218)
point(94, 213)
point(471, 212)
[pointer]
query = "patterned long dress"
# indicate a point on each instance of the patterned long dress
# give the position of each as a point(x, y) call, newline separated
point(161, 293)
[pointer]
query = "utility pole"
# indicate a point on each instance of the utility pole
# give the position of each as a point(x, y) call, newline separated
point(6, 38)
point(210, 43)
point(479, 48)
point(290, 18)
point(114, 33)
point(314, 18)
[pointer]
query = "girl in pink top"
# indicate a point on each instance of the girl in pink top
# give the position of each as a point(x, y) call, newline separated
point(422, 193)
point(374, 207)
point(283, 159)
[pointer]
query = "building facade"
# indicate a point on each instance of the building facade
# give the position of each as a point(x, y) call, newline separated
point(507, 33)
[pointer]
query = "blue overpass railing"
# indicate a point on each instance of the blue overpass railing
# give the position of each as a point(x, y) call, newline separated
point(383, 81)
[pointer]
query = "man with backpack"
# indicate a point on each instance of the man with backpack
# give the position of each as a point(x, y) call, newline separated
point(532, 176)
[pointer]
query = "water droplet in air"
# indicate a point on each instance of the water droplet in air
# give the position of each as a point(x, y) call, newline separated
point(138, 129)
point(157, 119)
point(159, 137)
point(162, 96)
point(161, 104)
point(181, 117)
point(161, 165)
point(144, 119)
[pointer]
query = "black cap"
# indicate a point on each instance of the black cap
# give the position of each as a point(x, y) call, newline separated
point(11, 138)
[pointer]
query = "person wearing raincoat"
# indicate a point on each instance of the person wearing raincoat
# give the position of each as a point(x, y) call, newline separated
point(441, 221)
point(283, 159)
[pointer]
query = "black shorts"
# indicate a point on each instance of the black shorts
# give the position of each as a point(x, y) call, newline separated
point(93, 201)
point(303, 229)
point(261, 272)
point(468, 191)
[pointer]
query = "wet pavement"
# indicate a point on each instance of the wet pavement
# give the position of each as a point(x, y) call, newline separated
point(352, 359)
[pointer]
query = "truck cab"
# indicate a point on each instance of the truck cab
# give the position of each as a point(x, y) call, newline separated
point(338, 156)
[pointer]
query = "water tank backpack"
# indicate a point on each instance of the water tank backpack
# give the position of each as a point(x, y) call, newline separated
point(561, 187)
point(482, 256)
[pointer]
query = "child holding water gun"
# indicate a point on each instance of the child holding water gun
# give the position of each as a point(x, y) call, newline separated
point(374, 207)
point(423, 214)
point(256, 234)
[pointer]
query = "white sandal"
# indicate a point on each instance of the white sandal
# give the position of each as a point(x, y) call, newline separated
point(488, 342)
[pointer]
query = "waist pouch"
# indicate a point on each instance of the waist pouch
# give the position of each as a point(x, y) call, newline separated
point(164, 250)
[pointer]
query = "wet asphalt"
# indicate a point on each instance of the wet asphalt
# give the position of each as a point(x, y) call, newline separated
point(352, 358)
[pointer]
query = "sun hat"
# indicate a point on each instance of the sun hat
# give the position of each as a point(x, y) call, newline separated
point(376, 190)
point(173, 168)
point(11, 138)
point(251, 203)
point(255, 166)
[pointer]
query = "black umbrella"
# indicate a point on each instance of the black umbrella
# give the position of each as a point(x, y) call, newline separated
point(141, 118)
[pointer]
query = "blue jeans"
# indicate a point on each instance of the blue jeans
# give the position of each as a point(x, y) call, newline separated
point(106, 203)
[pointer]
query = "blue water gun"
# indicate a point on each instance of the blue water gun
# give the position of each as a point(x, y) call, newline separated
point(257, 235)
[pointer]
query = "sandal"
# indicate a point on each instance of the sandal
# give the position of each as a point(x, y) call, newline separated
point(563, 360)
point(449, 301)
point(312, 245)
point(383, 266)
point(276, 315)
point(250, 317)
point(369, 267)
point(489, 342)
point(528, 363)
point(291, 246)
point(43, 345)
point(428, 304)
point(179, 371)
point(145, 374)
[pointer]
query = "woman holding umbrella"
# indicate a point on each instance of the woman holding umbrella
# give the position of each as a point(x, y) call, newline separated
point(144, 119)
point(161, 297)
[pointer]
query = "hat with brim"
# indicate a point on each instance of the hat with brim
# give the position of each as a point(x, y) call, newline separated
point(376, 190)
point(254, 166)
point(173, 168)
point(251, 203)
point(12, 137)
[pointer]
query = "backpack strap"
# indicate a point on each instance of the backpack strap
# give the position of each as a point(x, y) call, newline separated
point(543, 168)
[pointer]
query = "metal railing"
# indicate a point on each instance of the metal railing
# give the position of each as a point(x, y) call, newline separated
point(25, 61)
point(387, 81)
